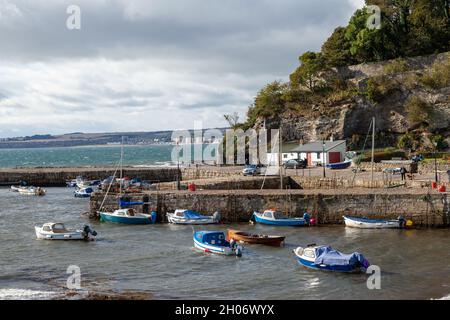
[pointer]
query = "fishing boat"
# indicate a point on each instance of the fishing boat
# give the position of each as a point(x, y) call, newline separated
point(273, 217)
point(339, 165)
point(328, 259)
point(182, 216)
point(215, 242)
point(32, 191)
point(57, 231)
point(128, 216)
point(246, 237)
point(83, 193)
point(365, 223)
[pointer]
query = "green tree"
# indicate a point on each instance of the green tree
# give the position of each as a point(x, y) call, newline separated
point(336, 50)
point(311, 63)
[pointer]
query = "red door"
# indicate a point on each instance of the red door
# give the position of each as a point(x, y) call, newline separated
point(308, 157)
point(335, 157)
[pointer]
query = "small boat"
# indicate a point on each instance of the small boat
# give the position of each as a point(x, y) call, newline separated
point(16, 188)
point(328, 259)
point(32, 191)
point(273, 217)
point(88, 183)
point(57, 231)
point(339, 165)
point(128, 216)
point(364, 223)
point(83, 193)
point(245, 237)
point(182, 216)
point(215, 242)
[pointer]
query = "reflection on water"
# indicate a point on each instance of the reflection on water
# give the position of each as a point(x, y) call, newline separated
point(160, 258)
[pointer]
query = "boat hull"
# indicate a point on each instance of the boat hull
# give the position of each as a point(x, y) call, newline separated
point(181, 220)
point(294, 222)
point(362, 223)
point(107, 217)
point(255, 239)
point(73, 235)
point(311, 265)
point(339, 166)
point(226, 251)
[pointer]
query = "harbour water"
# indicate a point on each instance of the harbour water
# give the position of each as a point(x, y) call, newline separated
point(85, 156)
point(160, 259)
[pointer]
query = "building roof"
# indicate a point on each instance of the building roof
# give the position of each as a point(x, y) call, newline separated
point(317, 146)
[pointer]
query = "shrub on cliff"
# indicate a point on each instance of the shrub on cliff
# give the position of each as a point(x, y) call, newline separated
point(418, 111)
point(439, 75)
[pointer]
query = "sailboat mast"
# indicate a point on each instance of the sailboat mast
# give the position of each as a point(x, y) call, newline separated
point(373, 149)
point(121, 172)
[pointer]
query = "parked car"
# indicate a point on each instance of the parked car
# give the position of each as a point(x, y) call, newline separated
point(252, 170)
point(295, 164)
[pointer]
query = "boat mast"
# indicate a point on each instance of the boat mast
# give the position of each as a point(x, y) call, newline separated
point(280, 156)
point(373, 149)
point(121, 173)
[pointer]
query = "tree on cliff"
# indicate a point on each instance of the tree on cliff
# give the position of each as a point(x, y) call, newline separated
point(307, 74)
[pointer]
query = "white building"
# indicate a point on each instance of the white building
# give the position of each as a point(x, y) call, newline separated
point(322, 152)
point(315, 153)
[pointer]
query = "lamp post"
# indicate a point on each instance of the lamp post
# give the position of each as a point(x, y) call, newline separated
point(323, 158)
point(435, 162)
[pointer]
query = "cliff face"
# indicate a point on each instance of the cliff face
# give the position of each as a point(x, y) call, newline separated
point(350, 117)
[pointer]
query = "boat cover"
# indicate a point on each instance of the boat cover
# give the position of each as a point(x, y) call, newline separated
point(329, 256)
point(188, 214)
point(124, 203)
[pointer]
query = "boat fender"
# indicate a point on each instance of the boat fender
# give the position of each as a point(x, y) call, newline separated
point(238, 251)
point(154, 216)
point(307, 217)
point(216, 216)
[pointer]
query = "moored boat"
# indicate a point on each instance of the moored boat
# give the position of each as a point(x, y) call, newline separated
point(273, 217)
point(328, 259)
point(339, 165)
point(83, 193)
point(32, 191)
point(365, 223)
point(128, 216)
point(246, 237)
point(57, 231)
point(16, 188)
point(182, 216)
point(215, 242)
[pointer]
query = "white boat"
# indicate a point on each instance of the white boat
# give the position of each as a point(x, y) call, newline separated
point(57, 231)
point(83, 193)
point(364, 223)
point(128, 216)
point(182, 216)
point(16, 188)
point(32, 191)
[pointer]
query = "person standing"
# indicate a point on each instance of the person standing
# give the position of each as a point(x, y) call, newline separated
point(403, 173)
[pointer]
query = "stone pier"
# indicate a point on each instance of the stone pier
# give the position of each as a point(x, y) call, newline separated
point(328, 206)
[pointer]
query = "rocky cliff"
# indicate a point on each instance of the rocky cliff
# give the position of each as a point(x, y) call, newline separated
point(382, 90)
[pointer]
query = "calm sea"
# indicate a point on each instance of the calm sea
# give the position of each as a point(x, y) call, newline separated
point(85, 156)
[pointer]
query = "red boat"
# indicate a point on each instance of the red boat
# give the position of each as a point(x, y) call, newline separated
point(241, 236)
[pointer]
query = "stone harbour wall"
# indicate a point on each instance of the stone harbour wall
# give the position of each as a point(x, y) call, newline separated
point(424, 209)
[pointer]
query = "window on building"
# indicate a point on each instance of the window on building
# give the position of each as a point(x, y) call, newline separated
point(285, 156)
point(318, 155)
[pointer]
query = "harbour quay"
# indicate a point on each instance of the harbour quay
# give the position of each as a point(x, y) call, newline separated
point(424, 208)
point(57, 177)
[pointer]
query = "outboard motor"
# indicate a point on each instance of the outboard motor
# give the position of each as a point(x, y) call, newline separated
point(238, 251)
point(216, 216)
point(402, 221)
point(87, 230)
point(154, 216)
point(307, 217)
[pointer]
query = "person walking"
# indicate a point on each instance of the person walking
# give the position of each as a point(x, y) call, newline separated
point(403, 173)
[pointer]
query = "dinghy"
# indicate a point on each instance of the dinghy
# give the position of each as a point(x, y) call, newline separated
point(329, 259)
point(182, 216)
point(364, 223)
point(83, 193)
point(215, 242)
point(128, 216)
point(57, 231)
point(16, 188)
point(32, 191)
point(273, 217)
point(339, 165)
point(246, 237)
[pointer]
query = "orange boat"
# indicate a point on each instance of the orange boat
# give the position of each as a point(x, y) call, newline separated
point(241, 236)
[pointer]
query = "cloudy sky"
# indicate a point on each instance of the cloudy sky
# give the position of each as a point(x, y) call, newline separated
point(144, 65)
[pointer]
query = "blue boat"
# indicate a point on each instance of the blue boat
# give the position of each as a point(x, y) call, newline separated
point(128, 216)
point(339, 165)
point(273, 217)
point(215, 242)
point(83, 193)
point(328, 259)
